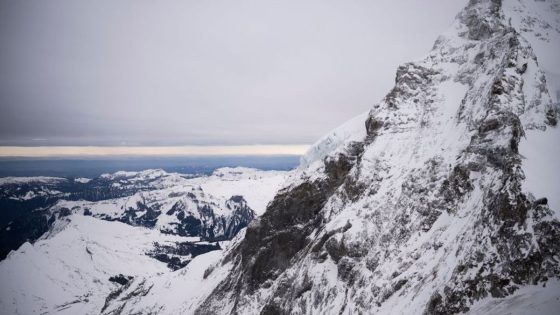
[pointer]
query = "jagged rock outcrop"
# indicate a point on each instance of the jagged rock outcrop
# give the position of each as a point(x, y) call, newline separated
point(428, 211)
point(190, 214)
point(170, 202)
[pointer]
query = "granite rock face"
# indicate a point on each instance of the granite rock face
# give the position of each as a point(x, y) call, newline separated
point(429, 210)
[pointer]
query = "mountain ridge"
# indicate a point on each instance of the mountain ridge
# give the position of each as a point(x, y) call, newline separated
point(442, 199)
point(438, 172)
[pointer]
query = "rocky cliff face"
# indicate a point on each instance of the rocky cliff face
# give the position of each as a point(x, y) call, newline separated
point(426, 209)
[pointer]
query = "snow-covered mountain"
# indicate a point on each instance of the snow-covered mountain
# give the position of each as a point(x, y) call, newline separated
point(31, 204)
point(89, 250)
point(442, 199)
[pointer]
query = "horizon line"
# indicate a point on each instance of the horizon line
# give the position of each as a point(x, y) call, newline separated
point(192, 150)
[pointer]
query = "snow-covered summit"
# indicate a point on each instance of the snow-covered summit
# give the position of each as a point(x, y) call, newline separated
point(427, 207)
point(241, 173)
point(353, 130)
point(145, 175)
point(30, 180)
point(82, 180)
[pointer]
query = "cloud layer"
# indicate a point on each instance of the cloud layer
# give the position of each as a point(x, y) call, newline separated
point(164, 73)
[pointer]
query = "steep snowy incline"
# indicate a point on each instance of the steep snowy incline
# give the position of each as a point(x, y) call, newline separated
point(68, 271)
point(352, 130)
point(430, 210)
point(179, 292)
point(539, 23)
point(530, 300)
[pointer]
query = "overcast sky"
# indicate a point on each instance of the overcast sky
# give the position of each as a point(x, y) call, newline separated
point(218, 72)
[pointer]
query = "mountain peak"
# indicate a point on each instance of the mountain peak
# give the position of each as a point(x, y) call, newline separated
point(423, 207)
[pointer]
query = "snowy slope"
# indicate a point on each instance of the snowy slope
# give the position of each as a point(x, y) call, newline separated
point(67, 270)
point(257, 187)
point(539, 23)
point(529, 300)
point(352, 130)
point(442, 199)
point(177, 292)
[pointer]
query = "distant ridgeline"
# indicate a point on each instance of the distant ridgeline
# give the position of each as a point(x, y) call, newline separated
point(94, 167)
point(30, 206)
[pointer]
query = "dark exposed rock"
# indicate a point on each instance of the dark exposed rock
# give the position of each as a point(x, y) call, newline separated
point(372, 125)
point(336, 249)
point(209, 226)
point(292, 215)
point(187, 226)
point(480, 26)
point(64, 212)
point(523, 69)
point(327, 236)
point(272, 309)
point(434, 305)
point(399, 284)
point(456, 186)
point(148, 217)
point(24, 229)
point(490, 124)
point(281, 232)
point(112, 296)
point(180, 255)
point(237, 199)
point(120, 279)
point(346, 270)
point(408, 82)
point(139, 290)
point(551, 117)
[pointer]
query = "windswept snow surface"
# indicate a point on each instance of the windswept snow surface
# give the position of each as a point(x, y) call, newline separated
point(352, 130)
point(68, 271)
point(257, 187)
point(531, 300)
point(178, 292)
point(541, 165)
point(539, 23)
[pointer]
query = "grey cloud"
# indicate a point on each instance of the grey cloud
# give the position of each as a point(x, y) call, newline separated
point(201, 72)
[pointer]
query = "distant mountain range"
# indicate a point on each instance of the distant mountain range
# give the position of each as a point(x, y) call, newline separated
point(108, 230)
